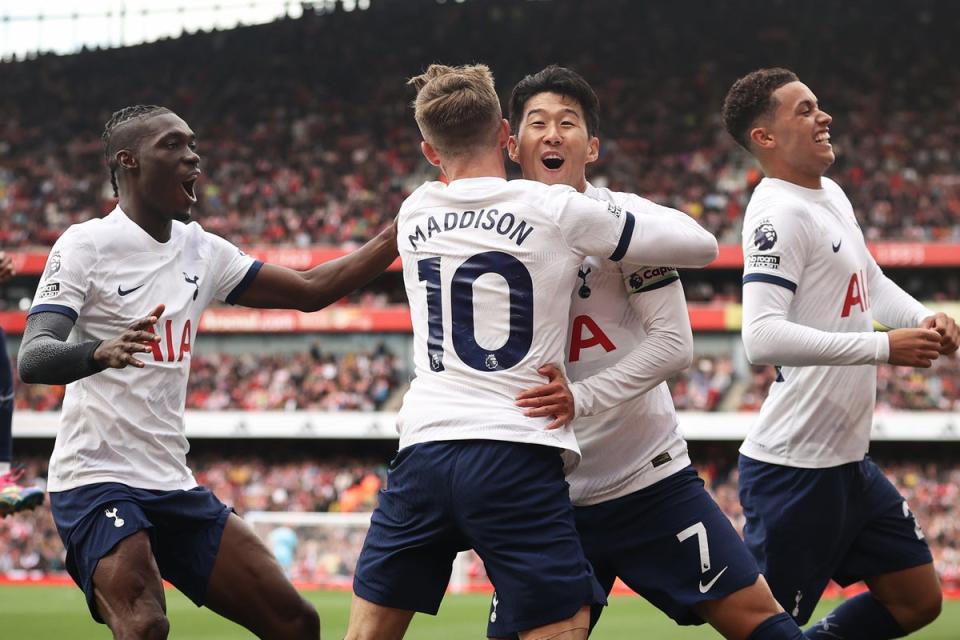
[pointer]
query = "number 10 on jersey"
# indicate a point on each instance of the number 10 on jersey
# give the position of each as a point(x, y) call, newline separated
point(463, 334)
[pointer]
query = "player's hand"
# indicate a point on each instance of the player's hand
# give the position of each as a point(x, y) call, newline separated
point(551, 399)
point(119, 352)
point(947, 328)
point(913, 347)
point(7, 270)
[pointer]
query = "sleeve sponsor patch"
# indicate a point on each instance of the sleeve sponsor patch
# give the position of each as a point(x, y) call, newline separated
point(617, 211)
point(764, 236)
point(759, 261)
point(649, 278)
point(54, 262)
point(49, 290)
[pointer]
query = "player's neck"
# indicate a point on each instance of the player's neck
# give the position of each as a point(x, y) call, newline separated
point(489, 165)
point(153, 222)
point(789, 174)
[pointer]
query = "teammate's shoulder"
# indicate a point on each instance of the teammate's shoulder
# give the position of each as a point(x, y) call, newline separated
point(420, 194)
point(532, 188)
point(771, 198)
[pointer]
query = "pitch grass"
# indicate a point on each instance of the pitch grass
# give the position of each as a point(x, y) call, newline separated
point(55, 613)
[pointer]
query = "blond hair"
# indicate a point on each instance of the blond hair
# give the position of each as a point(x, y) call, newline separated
point(457, 108)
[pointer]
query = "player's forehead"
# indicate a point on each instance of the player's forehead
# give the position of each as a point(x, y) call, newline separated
point(164, 124)
point(792, 95)
point(550, 103)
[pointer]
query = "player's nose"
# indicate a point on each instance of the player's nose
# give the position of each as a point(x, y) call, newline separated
point(824, 118)
point(553, 136)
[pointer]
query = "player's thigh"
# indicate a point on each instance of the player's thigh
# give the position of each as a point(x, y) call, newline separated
point(248, 586)
point(371, 621)
point(737, 615)
point(514, 509)
point(127, 588)
point(576, 627)
point(912, 596)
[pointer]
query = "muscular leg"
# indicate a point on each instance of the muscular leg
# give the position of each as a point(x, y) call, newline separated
point(912, 596)
point(369, 621)
point(737, 615)
point(576, 627)
point(129, 591)
point(248, 587)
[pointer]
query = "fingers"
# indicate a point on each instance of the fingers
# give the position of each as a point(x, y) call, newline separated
point(150, 320)
point(533, 394)
point(550, 371)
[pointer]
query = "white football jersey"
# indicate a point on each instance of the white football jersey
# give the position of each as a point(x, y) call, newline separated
point(808, 241)
point(638, 443)
point(488, 267)
point(126, 425)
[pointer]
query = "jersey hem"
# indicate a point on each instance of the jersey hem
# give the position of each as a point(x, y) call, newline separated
point(54, 486)
point(802, 463)
point(641, 481)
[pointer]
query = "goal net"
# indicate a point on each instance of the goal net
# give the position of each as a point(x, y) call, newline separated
point(321, 549)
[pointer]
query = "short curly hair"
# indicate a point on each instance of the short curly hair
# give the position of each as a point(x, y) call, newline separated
point(113, 143)
point(751, 97)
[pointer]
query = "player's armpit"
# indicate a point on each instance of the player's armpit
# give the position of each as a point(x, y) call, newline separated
point(277, 287)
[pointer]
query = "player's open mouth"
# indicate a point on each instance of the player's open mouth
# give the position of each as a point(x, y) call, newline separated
point(552, 161)
point(188, 188)
point(822, 138)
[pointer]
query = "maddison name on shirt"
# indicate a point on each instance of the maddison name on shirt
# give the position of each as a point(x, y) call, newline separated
point(505, 224)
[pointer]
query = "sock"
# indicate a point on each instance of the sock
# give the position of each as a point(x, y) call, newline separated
point(859, 618)
point(6, 403)
point(778, 627)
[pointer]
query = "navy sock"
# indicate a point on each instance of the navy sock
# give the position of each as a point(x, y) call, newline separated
point(859, 618)
point(6, 402)
point(778, 627)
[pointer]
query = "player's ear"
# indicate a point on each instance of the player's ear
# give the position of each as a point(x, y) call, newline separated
point(762, 138)
point(593, 149)
point(126, 159)
point(430, 153)
point(504, 134)
point(513, 149)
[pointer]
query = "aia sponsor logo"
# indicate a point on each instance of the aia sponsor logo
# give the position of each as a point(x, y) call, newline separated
point(857, 295)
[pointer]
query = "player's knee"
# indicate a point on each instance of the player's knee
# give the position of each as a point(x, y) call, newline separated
point(300, 622)
point(144, 626)
point(922, 612)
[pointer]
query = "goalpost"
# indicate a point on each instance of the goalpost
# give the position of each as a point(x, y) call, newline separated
point(321, 549)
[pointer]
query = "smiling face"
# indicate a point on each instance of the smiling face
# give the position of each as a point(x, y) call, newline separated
point(796, 138)
point(552, 144)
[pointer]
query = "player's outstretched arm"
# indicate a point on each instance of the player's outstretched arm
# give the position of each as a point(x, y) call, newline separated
point(666, 350)
point(769, 338)
point(47, 358)
point(669, 237)
point(281, 288)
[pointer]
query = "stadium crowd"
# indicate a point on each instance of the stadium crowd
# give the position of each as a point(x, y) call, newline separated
point(367, 381)
point(29, 546)
point(300, 148)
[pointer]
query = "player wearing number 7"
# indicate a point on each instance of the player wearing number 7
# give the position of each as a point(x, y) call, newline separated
point(641, 510)
point(489, 266)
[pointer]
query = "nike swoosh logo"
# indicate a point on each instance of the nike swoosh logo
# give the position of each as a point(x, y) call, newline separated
point(121, 292)
point(836, 247)
point(706, 587)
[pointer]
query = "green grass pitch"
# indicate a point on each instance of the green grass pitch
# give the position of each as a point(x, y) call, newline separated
point(41, 613)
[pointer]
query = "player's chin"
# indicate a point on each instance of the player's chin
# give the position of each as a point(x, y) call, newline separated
point(181, 215)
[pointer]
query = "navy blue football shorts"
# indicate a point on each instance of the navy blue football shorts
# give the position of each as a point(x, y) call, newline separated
point(669, 542)
point(508, 501)
point(185, 528)
point(806, 526)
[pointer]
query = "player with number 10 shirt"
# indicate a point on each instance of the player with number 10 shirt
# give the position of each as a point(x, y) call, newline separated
point(488, 267)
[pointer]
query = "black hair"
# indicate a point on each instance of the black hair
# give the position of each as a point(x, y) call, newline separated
point(751, 97)
point(112, 143)
point(562, 81)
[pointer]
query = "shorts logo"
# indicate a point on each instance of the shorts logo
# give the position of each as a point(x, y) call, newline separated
point(117, 520)
point(493, 608)
point(796, 609)
point(698, 531)
point(763, 262)
point(615, 210)
point(764, 236)
point(49, 290)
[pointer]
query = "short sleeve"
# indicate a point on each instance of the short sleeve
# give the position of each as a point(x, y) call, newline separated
point(775, 243)
point(235, 269)
point(591, 227)
point(64, 284)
